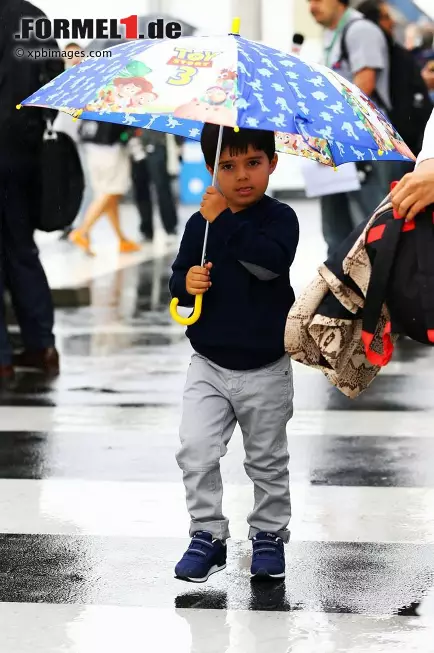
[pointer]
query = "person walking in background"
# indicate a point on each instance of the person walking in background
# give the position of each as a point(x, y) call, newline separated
point(21, 139)
point(65, 123)
point(110, 178)
point(410, 103)
point(380, 13)
point(366, 64)
point(152, 170)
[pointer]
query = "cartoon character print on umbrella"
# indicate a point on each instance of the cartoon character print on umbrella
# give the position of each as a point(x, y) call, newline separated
point(361, 111)
point(386, 137)
point(129, 92)
point(227, 80)
point(216, 104)
point(310, 148)
point(224, 93)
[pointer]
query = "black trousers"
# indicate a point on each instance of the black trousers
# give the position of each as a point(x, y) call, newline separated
point(21, 272)
point(148, 172)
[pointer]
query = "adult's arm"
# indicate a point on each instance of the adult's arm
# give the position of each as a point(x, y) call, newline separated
point(367, 54)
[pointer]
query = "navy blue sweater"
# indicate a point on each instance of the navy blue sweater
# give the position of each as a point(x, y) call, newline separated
point(244, 312)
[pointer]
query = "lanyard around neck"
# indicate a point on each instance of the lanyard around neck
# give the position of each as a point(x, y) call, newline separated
point(338, 31)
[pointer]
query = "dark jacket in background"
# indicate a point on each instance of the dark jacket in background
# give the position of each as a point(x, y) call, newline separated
point(21, 131)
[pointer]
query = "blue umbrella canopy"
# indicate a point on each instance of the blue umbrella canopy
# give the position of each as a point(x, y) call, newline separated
point(176, 86)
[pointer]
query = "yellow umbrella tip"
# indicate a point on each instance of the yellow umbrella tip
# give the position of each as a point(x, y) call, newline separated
point(236, 22)
point(236, 128)
point(380, 152)
point(19, 106)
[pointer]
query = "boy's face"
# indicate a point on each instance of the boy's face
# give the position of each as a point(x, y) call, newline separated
point(243, 178)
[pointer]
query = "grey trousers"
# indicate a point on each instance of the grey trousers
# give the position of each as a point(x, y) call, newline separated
point(261, 401)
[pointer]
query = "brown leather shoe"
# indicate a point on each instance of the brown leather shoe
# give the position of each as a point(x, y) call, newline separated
point(6, 372)
point(45, 360)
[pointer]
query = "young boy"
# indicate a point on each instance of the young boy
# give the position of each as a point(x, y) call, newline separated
point(239, 371)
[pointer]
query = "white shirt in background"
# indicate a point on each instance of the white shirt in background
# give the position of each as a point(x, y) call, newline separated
point(428, 142)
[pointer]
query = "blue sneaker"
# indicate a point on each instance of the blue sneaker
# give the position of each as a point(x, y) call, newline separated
point(204, 556)
point(268, 560)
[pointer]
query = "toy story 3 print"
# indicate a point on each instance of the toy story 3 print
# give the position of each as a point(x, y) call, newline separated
point(184, 83)
point(370, 117)
point(316, 149)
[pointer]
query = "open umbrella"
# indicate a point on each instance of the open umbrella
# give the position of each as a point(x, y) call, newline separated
point(143, 21)
point(177, 86)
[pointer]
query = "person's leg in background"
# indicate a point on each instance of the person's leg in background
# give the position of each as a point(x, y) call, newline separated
point(336, 219)
point(161, 178)
point(24, 275)
point(112, 212)
point(81, 235)
point(374, 189)
point(111, 177)
point(142, 195)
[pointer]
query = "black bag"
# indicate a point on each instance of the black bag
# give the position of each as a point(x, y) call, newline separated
point(411, 103)
point(61, 181)
point(402, 259)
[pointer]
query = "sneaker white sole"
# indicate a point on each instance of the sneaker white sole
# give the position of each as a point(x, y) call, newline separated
point(263, 575)
point(213, 570)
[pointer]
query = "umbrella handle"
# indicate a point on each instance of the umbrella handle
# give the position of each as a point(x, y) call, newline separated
point(186, 321)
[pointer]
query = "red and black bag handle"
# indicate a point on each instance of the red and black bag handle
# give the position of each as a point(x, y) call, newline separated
point(376, 294)
point(379, 281)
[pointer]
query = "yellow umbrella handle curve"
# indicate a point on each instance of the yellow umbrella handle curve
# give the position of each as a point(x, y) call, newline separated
point(186, 321)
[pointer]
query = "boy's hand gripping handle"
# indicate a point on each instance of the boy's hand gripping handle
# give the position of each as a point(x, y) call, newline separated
point(186, 321)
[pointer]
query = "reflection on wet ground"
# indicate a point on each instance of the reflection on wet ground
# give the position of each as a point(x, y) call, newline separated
point(92, 509)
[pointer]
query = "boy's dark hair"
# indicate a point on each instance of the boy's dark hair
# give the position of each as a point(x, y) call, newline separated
point(237, 142)
point(346, 3)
